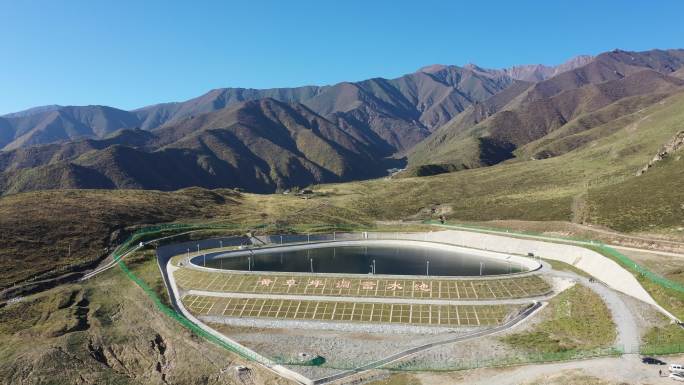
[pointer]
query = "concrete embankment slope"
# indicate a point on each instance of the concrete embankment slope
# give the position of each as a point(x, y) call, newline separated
point(593, 263)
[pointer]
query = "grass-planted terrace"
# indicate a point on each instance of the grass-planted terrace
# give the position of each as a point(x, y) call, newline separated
point(371, 286)
point(339, 311)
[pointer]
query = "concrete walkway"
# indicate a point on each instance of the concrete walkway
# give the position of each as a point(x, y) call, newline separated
point(421, 301)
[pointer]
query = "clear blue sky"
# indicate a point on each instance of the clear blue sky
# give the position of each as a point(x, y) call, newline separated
point(128, 54)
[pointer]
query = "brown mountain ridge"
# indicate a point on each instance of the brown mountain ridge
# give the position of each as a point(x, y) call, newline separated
point(444, 118)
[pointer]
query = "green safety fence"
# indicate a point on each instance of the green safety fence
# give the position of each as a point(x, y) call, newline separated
point(509, 360)
point(129, 245)
point(182, 320)
point(147, 232)
point(630, 264)
point(126, 247)
point(660, 350)
point(600, 246)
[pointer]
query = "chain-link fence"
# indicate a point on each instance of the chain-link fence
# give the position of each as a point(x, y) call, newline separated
point(597, 245)
point(412, 364)
point(644, 272)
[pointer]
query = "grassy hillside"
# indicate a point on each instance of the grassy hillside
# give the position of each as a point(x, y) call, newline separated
point(44, 231)
point(655, 198)
point(579, 182)
point(588, 127)
point(547, 110)
point(107, 331)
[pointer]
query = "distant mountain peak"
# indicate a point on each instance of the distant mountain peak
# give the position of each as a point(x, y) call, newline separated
point(33, 111)
point(472, 67)
point(432, 68)
point(526, 72)
point(540, 72)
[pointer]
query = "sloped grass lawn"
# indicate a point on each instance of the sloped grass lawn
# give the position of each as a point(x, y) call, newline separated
point(670, 299)
point(576, 319)
point(654, 199)
point(664, 339)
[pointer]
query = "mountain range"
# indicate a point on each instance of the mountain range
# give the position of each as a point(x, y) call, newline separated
point(440, 118)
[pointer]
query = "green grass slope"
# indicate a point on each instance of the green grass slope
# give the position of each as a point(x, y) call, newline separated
point(553, 188)
point(655, 198)
point(534, 112)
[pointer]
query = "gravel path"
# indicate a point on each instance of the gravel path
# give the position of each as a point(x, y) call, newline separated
point(626, 326)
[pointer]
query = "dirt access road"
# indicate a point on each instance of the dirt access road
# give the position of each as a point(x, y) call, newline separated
point(627, 369)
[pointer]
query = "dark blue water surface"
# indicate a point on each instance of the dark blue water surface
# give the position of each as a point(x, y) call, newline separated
point(402, 260)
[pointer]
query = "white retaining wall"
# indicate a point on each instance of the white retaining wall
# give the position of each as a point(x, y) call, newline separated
point(591, 262)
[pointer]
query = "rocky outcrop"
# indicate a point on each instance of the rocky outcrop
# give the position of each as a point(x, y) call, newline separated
point(671, 146)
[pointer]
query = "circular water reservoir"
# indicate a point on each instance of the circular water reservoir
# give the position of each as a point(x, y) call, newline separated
point(378, 258)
